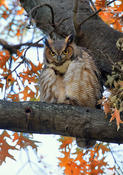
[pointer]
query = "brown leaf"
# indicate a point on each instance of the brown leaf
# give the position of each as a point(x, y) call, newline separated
point(116, 115)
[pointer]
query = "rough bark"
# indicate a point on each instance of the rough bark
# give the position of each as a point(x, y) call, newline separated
point(93, 34)
point(66, 120)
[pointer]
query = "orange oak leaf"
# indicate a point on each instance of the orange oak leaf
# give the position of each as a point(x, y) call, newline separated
point(1, 85)
point(68, 163)
point(111, 14)
point(35, 68)
point(79, 158)
point(66, 141)
point(14, 58)
point(4, 56)
point(14, 97)
point(24, 141)
point(20, 12)
point(25, 93)
point(107, 107)
point(83, 162)
point(3, 2)
point(5, 147)
point(18, 32)
point(102, 147)
point(16, 136)
point(5, 15)
point(116, 115)
point(20, 53)
point(105, 102)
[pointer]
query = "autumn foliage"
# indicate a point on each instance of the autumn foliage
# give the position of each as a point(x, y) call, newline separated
point(19, 77)
point(82, 161)
point(112, 14)
point(19, 141)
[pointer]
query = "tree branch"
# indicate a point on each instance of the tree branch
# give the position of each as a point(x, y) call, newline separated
point(66, 120)
point(42, 5)
point(13, 48)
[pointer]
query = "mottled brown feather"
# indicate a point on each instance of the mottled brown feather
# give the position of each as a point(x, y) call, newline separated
point(77, 83)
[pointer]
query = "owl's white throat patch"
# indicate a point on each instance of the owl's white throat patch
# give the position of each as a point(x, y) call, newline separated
point(62, 68)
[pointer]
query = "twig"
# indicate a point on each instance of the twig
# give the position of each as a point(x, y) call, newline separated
point(42, 5)
point(95, 13)
point(61, 21)
point(18, 77)
point(14, 69)
point(75, 15)
point(94, 8)
point(30, 162)
point(115, 161)
point(5, 90)
point(31, 45)
point(110, 60)
point(57, 25)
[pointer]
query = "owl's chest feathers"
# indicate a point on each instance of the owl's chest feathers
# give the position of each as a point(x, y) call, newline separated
point(60, 89)
point(61, 69)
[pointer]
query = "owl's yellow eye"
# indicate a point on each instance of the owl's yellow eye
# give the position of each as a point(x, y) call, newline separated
point(52, 53)
point(65, 52)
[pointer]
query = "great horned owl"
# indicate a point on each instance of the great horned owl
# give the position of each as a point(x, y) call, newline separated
point(69, 75)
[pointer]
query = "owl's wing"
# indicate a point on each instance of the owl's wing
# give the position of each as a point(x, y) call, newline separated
point(47, 81)
point(81, 81)
point(51, 87)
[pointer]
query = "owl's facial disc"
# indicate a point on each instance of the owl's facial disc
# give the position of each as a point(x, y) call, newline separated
point(58, 52)
point(55, 57)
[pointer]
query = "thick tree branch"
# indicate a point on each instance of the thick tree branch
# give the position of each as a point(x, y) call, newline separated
point(66, 120)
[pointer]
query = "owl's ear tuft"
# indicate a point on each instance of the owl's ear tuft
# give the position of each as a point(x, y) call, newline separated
point(69, 39)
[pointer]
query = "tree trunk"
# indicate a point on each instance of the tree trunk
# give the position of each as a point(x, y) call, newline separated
point(66, 120)
point(62, 19)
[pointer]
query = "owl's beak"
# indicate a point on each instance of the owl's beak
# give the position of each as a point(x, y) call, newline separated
point(59, 58)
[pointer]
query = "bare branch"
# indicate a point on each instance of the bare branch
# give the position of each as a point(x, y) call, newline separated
point(75, 9)
point(13, 48)
point(93, 6)
point(42, 5)
point(58, 24)
point(36, 43)
point(115, 161)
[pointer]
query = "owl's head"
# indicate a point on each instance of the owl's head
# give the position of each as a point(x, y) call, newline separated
point(59, 53)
